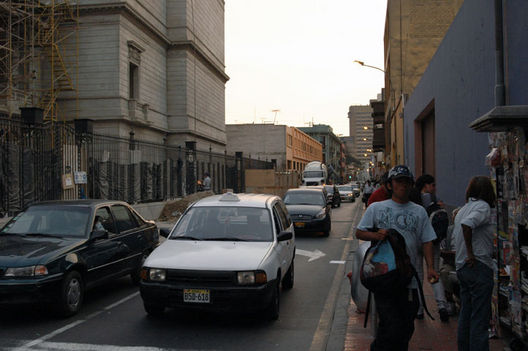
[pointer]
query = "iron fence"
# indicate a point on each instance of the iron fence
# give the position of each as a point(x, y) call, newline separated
point(41, 162)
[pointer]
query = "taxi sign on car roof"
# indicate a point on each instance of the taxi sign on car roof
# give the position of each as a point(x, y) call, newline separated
point(229, 197)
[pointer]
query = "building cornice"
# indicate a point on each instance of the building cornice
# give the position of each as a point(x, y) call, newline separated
point(191, 46)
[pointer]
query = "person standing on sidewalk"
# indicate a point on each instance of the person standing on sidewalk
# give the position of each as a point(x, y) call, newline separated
point(381, 193)
point(397, 308)
point(207, 182)
point(367, 191)
point(473, 235)
point(426, 188)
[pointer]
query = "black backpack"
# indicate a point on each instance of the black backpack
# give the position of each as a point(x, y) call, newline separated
point(387, 267)
point(439, 220)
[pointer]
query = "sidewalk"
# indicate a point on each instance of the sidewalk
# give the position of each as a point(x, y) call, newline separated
point(428, 334)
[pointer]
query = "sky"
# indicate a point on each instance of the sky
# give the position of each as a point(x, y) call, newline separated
point(297, 56)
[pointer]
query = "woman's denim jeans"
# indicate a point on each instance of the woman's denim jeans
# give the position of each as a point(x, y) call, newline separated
point(476, 286)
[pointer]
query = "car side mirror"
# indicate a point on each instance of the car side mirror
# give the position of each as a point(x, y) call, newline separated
point(164, 232)
point(99, 234)
point(284, 235)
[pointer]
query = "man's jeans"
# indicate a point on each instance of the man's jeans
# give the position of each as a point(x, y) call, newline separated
point(476, 286)
point(396, 313)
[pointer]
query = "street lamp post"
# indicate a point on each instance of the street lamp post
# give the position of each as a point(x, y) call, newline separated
point(363, 64)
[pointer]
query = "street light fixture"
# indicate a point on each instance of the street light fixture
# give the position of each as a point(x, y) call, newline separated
point(363, 64)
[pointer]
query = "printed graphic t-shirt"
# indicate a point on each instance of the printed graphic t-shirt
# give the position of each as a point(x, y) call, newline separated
point(409, 219)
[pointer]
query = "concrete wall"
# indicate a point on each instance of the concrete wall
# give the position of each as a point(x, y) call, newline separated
point(516, 14)
point(413, 31)
point(460, 81)
point(268, 181)
point(263, 141)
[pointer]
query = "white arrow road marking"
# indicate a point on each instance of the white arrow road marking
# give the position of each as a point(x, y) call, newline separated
point(313, 255)
point(337, 262)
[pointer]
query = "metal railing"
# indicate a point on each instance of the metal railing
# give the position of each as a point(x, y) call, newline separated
point(47, 161)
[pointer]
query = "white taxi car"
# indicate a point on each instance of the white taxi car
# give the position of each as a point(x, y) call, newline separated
point(226, 252)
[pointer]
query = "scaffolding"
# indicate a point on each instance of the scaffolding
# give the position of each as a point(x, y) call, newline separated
point(39, 57)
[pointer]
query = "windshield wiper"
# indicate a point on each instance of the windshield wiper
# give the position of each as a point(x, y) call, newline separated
point(225, 238)
point(43, 235)
point(184, 237)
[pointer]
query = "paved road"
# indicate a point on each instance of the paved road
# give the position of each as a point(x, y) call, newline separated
point(113, 317)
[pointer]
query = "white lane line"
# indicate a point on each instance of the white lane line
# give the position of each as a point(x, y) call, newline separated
point(56, 346)
point(52, 334)
point(121, 301)
point(337, 262)
point(74, 324)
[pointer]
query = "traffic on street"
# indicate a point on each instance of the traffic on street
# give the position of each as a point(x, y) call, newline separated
point(113, 316)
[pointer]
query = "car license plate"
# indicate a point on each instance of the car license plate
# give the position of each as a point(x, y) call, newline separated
point(299, 224)
point(196, 295)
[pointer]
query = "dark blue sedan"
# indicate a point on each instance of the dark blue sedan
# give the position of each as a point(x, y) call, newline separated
point(53, 251)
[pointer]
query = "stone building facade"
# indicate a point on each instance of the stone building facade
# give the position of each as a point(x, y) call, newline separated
point(154, 69)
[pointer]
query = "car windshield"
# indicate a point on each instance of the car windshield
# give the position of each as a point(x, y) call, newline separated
point(345, 188)
point(329, 189)
point(304, 198)
point(313, 174)
point(50, 221)
point(224, 224)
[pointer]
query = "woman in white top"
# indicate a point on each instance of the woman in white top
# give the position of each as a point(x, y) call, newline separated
point(473, 236)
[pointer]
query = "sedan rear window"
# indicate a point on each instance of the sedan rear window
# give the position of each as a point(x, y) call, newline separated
point(304, 198)
point(225, 224)
point(50, 220)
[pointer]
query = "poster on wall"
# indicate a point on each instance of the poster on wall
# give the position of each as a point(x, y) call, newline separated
point(80, 177)
point(67, 181)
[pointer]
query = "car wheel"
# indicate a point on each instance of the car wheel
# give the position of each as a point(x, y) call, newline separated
point(326, 233)
point(273, 308)
point(287, 281)
point(153, 309)
point(135, 275)
point(71, 294)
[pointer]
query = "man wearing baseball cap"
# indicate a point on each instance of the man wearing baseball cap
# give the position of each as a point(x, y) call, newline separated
point(397, 309)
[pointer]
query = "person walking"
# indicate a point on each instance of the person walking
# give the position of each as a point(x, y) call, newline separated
point(425, 188)
point(207, 182)
point(397, 308)
point(367, 191)
point(473, 235)
point(382, 193)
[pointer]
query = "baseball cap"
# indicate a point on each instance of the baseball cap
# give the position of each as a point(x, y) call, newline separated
point(400, 171)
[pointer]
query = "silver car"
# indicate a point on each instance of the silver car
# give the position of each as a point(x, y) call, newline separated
point(347, 193)
point(226, 252)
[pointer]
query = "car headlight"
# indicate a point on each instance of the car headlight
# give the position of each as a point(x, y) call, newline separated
point(157, 275)
point(30, 271)
point(321, 214)
point(251, 277)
